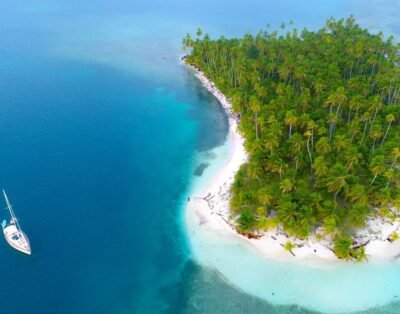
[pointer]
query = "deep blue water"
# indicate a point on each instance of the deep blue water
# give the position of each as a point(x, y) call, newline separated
point(99, 129)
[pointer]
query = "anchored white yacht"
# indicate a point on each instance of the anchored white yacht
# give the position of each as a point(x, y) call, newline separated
point(13, 233)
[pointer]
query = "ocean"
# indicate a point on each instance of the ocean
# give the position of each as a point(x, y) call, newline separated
point(102, 132)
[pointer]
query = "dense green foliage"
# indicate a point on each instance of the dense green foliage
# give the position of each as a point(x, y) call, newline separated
point(319, 112)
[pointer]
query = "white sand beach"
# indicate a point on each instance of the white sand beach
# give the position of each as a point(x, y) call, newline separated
point(209, 208)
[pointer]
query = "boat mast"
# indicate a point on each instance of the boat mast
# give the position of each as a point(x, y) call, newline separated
point(13, 218)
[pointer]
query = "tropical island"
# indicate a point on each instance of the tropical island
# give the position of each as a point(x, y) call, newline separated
point(319, 112)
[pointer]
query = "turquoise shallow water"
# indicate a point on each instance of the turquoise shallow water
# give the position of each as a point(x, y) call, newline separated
point(101, 132)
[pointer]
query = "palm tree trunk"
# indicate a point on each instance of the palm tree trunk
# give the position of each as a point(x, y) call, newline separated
point(330, 131)
point(393, 163)
point(348, 169)
point(333, 130)
point(352, 137)
point(365, 129)
point(312, 139)
point(309, 152)
point(255, 120)
point(373, 180)
point(387, 130)
point(384, 189)
point(338, 110)
point(316, 181)
point(373, 120)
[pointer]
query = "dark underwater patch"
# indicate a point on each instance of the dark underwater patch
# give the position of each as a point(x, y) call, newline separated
point(200, 169)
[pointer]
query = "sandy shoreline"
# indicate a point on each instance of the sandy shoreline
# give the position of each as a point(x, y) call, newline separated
point(209, 209)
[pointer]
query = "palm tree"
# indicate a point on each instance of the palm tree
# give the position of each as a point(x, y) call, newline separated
point(395, 153)
point(376, 105)
point(377, 166)
point(306, 221)
point(296, 143)
point(311, 125)
point(361, 255)
point(319, 88)
point(290, 119)
point(366, 117)
point(330, 102)
point(358, 215)
point(305, 97)
point(261, 125)
point(375, 133)
point(271, 142)
point(331, 119)
point(323, 147)
point(340, 143)
point(340, 95)
point(187, 42)
point(254, 147)
point(320, 167)
point(238, 102)
point(394, 236)
point(330, 225)
point(287, 213)
point(198, 32)
point(277, 166)
point(358, 194)
point(289, 246)
point(264, 196)
point(352, 156)
point(337, 180)
point(389, 119)
point(342, 247)
point(354, 128)
point(284, 73)
point(308, 134)
point(253, 170)
point(340, 99)
point(286, 185)
point(389, 174)
point(355, 104)
point(315, 199)
point(246, 221)
point(255, 107)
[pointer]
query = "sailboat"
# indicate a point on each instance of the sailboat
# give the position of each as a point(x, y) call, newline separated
point(13, 232)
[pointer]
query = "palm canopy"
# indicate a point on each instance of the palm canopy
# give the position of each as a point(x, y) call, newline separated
point(319, 114)
point(337, 179)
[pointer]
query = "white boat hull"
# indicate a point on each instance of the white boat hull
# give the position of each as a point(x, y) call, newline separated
point(17, 239)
